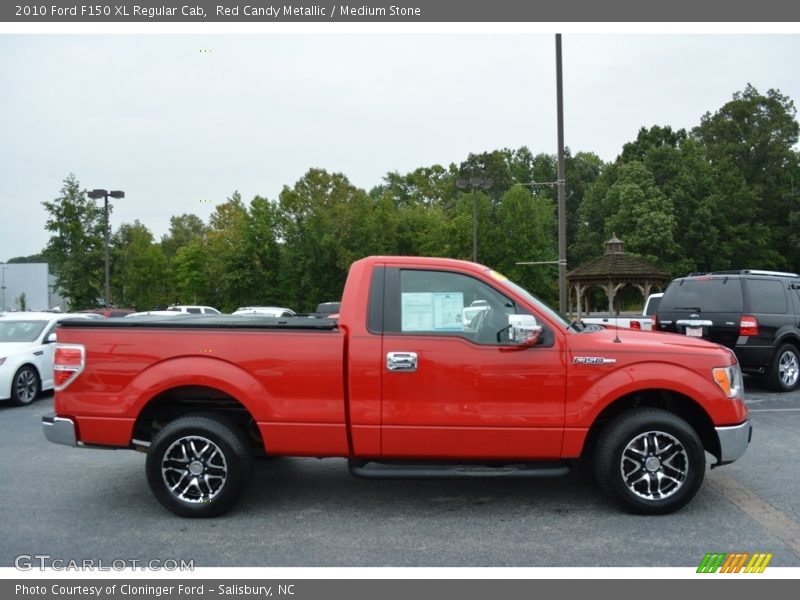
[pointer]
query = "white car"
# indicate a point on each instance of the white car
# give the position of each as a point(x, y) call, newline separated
point(473, 310)
point(265, 311)
point(158, 313)
point(27, 343)
point(193, 309)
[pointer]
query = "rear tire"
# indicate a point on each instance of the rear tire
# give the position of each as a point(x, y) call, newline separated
point(25, 387)
point(784, 373)
point(649, 461)
point(199, 466)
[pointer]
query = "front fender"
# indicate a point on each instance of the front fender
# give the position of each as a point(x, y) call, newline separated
point(585, 403)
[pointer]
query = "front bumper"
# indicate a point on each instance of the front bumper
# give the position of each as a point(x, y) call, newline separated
point(59, 430)
point(733, 441)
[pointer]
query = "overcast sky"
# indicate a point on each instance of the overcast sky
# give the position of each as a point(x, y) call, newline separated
point(181, 121)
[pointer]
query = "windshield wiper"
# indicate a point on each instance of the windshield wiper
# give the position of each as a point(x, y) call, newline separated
point(694, 308)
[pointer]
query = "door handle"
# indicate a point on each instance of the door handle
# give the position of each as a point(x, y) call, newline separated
point(401, 361)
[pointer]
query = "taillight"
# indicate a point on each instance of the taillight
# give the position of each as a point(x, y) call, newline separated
point(635, 324)
point(68, 362)
point(655, 322)
point(748, 326)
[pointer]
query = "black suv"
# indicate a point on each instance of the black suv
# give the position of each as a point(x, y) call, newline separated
point(754, 313)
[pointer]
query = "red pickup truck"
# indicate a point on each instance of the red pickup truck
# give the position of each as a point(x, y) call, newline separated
point(404, 383)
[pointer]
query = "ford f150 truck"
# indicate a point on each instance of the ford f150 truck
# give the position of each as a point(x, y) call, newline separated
point(401, 386)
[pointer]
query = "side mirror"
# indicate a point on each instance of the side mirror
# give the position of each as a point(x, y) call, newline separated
point(51, 339)
point(524, 330)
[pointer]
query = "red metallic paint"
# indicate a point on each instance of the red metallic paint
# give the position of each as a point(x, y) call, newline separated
point(329, 393)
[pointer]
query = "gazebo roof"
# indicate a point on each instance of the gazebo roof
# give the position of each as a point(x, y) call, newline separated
point(616, 265)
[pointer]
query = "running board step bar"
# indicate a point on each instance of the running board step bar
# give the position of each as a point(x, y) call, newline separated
point(448, 470)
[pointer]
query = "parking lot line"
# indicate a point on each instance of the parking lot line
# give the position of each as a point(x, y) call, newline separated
point(762, 512)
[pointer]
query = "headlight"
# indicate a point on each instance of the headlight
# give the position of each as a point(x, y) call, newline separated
point(729, 379)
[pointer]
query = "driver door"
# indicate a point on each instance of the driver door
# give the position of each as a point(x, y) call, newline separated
point(454, 385)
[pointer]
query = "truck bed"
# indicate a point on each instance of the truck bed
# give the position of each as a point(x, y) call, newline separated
point(288, 373)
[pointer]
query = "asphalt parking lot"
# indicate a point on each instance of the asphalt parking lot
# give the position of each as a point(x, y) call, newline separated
point(76, 504)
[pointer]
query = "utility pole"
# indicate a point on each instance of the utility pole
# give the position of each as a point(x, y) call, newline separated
point(474, 183)
point(562, 194)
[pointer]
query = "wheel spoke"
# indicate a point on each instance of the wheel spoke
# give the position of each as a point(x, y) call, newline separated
point(194, 469)
point(788, 369)
point(26, 386)
point(654, 465)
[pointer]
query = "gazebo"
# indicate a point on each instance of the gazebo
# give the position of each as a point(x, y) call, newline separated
point(612, 272)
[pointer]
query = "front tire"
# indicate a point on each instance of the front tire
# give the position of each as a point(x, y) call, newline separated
point(199, 466)
point(784, 373)
point(25, 386)
point(650, 461)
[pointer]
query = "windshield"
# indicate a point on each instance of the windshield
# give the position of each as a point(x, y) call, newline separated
point(540, 306)
point(20, 331)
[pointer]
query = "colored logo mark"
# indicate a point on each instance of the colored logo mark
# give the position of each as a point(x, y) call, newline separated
point(736, 562)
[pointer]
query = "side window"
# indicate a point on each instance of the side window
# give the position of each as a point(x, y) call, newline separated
point(767, 297)
point(443, 303)
point(192, 310)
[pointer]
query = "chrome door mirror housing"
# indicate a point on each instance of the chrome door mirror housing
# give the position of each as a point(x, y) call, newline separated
point(524, 330)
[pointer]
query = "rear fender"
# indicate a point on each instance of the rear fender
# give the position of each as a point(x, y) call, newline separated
point(198, 371)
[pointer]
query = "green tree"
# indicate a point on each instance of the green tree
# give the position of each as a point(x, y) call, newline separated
point(194, 283)
point(139, 268)
point(751, 144)
point(325, 223)
point(33, 258)
point(261, 241)
point(183, 229)
point(526, 226)
point(75, 248)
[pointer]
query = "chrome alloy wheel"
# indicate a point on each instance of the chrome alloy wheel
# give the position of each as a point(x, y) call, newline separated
point(788, 369)
point(654, 465)
point(194, 469)
point(26, 386)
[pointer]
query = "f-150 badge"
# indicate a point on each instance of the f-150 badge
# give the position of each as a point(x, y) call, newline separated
point(593, 360)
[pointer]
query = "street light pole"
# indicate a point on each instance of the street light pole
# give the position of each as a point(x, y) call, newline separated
point(474, 183)
point(96, 194)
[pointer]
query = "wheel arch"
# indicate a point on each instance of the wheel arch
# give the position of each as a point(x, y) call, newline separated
point(179, 401)
point(674, 402)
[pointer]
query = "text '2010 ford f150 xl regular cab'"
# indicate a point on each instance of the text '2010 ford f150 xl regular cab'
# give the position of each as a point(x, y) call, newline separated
point(403, 385)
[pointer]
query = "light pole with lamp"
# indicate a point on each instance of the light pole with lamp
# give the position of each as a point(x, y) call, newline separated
point(474, 183)
point(96, 194)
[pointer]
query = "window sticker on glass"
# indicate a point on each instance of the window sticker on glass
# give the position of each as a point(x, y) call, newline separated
point(432, 311)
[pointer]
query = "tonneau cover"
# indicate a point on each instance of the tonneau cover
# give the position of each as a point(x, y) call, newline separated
point(183, 321)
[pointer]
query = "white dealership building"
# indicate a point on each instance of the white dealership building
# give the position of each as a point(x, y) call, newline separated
point(34, 281)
